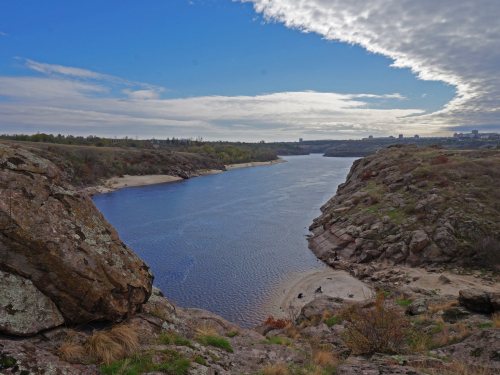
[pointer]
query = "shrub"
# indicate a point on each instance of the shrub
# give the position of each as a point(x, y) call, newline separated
point(373, 200)
point(275, 369)
point(70, 352)
point(496, 320)
point(232, 333)
point(278, 323)
point(366, 176)
point(171, 362)
point(381, 328)
point(276, 340)
point(438, 160)
point(333, 320)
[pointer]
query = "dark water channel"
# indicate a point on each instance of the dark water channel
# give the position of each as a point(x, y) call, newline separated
point(226, 242)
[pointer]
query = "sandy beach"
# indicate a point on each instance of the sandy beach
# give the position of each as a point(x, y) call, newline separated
point(116, 183)
point(255, 164)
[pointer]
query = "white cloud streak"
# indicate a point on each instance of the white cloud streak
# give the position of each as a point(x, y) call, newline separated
point(76, 100)
point(4, 34)
point(454, 41)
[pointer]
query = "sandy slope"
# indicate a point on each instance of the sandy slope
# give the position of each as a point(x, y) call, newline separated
point(255, 164)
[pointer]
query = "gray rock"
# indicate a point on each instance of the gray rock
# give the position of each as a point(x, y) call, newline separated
point(475, 300)
point(24, 310)
point(419, 241)
point(444, 279)
point(376, 369)
point(22, 357)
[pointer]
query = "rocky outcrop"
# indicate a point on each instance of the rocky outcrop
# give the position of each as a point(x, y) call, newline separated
point(24, 310)
point(409, 205)
point(58, 240)
point(479, 300)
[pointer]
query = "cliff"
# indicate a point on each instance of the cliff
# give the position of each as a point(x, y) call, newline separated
point(410, 205)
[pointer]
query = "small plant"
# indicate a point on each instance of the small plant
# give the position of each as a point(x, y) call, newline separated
point(279, 368)
point(276, 340)
point(171, 338)
point(208, 336)
point(231, 334)
point(333, 321)
point(171, 362)
point(70, 352)
point(441, 159)
point(496, 320)
point(199, 360)
point(366, 176)
point(403, 302)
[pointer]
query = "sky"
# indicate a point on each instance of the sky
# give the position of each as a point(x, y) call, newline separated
point(248, 70)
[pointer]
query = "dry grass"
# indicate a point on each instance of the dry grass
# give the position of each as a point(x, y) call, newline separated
point(439, 320)
point(325, 358)
point(125, 336)
point(70, 352)
point(315, 320)
point(304, 324)
point(325, 316)
point(278, 368)
point(291, 331)
point(436, 308)
point(496, 320)
point(206, 330)
point(463, 330)
point(102, 348)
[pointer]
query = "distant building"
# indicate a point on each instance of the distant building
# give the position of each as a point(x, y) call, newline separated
point(301, 140)
point(370, 136)
point(475, 134)
point(401, 136)
point(416, 136)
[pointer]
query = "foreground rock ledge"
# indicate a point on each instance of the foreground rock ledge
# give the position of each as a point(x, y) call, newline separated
point(57, 239)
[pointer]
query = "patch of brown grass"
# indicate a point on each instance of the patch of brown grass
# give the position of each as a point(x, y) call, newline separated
point(447, 305)
point(496, 320)
point(291, 331)
point(439, 320)
point(325, 358)
point(103, 348)
point(206, 330)
point(325, 316)
point(304, 324)
point(278, 368)
point(70, 352)
point(125, 336)
point(315, 320)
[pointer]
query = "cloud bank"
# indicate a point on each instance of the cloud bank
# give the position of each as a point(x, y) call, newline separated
point(454, 41)
point(78, 101)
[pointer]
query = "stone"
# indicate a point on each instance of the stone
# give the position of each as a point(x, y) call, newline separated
point(24, 310)
point(22, 357)
point(376, 369)
point(444, 279)
point(316, 307)
point(57, 238)
point(495, 300)
point(419, 241)
point(432, 252)
point(413, 260)
point(475, 300)
point(418, 307)
point(454, 314)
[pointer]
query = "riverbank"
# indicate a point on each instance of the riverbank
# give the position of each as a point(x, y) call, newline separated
point(116, 183)
point(255, 164)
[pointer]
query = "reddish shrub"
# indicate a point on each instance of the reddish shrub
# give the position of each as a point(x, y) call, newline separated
point(277, 323)
point(366, 176)
point(439, 160)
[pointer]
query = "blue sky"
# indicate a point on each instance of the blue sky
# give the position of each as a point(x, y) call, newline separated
point(208, 53)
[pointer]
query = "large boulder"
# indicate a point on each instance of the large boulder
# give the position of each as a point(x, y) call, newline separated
point(475, 300)
point(419, 241)
point(56, 237)
point(24, 310)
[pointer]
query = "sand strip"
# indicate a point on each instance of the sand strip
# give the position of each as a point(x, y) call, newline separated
point(333, 283)
point(255, 164)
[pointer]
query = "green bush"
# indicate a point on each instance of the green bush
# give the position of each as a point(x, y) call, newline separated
point(217, 341)
point(171, 362)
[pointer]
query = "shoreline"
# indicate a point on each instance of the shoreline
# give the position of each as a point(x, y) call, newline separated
point(116, 183)
point(334, 283)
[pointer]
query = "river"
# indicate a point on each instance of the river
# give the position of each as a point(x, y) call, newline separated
point(229, 242)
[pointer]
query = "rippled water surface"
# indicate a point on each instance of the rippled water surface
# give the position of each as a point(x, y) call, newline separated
point(226, 242)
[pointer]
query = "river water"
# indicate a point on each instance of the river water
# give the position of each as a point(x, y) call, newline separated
point(228, 242)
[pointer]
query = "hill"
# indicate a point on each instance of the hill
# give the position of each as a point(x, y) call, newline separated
point(414, 205)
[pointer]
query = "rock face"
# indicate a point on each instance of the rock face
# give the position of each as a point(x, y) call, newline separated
point(24, 310)
point(478, 300)
point(408, 205)
point(57, 239)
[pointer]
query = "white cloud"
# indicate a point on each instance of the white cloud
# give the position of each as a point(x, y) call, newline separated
point(58, 102)
point(454, 41)
point(142, 94)
point(424, 95)
point(4, 34)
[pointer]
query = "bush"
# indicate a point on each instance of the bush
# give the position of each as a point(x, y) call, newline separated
point(366, 176)
point(278, 323)
point(381, 328)
point(439, 160)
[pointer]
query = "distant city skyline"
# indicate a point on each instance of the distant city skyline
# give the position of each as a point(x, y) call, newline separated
point(247, 70)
